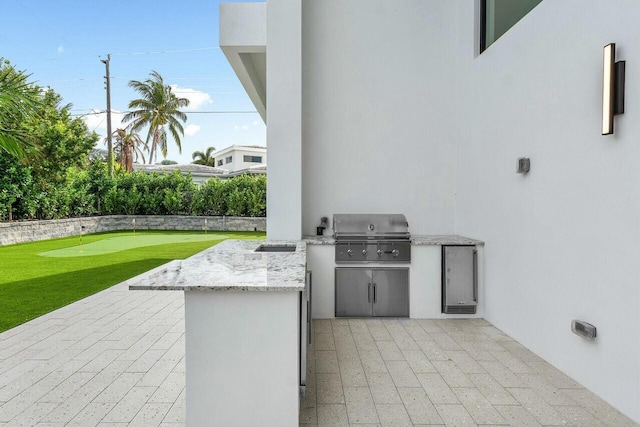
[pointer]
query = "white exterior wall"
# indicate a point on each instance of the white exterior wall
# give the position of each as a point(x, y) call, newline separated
point(400, 115)
point(561, 242)
point(377, 79)
point(284, 126)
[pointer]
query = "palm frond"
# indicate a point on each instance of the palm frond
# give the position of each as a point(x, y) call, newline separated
point(19, 100)
point(156, 108)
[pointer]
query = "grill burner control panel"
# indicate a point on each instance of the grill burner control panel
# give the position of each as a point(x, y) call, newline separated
point(373, 251)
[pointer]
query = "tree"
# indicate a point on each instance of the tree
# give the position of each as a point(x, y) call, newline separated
point(204, 158)
point(61, 140)
point(15, 183)
point(168, 162)
point(127, 148)
point(19, 101)
point(159, 109)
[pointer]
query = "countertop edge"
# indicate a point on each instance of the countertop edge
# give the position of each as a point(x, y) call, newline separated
point(293, 288)
point(417, 240)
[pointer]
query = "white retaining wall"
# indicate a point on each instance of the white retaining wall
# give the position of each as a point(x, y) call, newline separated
point(29, 231)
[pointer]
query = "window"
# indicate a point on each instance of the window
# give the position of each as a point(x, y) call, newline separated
point(253, 159)
point(220, 162)
point(497, 16)
point(228, 159)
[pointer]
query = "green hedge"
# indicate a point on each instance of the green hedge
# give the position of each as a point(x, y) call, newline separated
point(92, 192)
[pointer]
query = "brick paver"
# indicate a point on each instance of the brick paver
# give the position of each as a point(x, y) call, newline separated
point(117, 358)
point(411, 372)
point(114, 357)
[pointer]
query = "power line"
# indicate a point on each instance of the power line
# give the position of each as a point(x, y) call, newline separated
point(10, 41)
point(77, 79)
point(221, 112)
point(92, 113)
point(98, 125)
point(180, 78)
point(41, 20)
point(166, 51)
point(186, 112)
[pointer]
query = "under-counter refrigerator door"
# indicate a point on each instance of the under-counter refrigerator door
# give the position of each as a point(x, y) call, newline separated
point(459, 279)
point(354, 292)
point(391, 292)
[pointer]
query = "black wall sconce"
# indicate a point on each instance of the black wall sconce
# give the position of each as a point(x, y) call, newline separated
point(612, 88)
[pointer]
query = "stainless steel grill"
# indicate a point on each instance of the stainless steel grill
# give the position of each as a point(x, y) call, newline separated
point(366, 238)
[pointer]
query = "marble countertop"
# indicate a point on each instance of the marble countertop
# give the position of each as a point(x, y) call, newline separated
point(233, 266)
point(445, 239)
point(418, 240)
point(319, 240)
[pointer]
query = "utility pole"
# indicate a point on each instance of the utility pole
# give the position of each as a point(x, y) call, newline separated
point(109, 143)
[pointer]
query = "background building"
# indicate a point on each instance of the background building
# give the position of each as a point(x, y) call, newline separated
point(239, 157)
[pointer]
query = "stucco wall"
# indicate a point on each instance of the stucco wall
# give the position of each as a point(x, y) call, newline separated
point(376, 107)
point(284, 98)
point(400, 114)
point(562, 241)
point(29, 231)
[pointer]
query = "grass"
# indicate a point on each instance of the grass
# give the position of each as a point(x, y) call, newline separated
point(39, 277)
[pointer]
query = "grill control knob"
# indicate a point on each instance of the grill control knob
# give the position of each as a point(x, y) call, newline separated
point(395, 252)
point(349, 252)
point(380, 252)
point(364, 252)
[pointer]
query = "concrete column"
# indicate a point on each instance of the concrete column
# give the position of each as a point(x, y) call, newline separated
point(284, 119)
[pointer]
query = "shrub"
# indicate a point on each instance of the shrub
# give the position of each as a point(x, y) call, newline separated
point(92, 191)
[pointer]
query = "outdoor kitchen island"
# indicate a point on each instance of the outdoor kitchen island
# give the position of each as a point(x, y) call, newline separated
point(425, 274)
point(242, 326)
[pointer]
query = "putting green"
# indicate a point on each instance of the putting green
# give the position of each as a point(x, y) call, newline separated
point(122, 243)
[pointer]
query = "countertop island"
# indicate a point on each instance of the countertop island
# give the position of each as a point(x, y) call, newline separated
point(233, 265)
point(242, 331)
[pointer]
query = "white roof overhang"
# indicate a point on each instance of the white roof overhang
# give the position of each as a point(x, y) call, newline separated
point(243, 40)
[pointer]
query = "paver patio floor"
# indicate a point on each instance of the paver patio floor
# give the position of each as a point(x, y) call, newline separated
point(117, 358)
point(454, 372)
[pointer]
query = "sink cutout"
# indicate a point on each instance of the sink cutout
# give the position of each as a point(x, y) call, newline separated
point(276, 248)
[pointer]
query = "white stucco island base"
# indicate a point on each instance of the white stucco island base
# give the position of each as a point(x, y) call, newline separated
point(241, 358)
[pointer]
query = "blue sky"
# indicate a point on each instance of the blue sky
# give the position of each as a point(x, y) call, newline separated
point(60, 43)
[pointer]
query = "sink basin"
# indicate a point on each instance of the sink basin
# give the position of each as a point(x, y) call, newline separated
point(276, 248)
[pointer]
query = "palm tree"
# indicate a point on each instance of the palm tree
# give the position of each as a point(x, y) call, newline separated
point(204, 158)
point(128, 147)
point(159, 109)
point(19, 100)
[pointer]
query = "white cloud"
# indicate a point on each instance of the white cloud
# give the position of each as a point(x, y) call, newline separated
point(241, 127)
point(97, 120)
point(60, 49)
point(197, 98)
point(191, 130)
point(256, 122)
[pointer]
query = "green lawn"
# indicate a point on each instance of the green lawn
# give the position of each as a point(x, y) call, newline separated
point(39, 277)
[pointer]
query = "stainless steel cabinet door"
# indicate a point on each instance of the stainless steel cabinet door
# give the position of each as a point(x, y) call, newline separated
point(354, 292)
point(460, 280)
point(391, 292)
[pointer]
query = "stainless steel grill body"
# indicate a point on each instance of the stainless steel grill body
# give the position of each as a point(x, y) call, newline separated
point(367, 238)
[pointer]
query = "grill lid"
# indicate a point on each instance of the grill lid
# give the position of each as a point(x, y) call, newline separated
point(370, 226)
